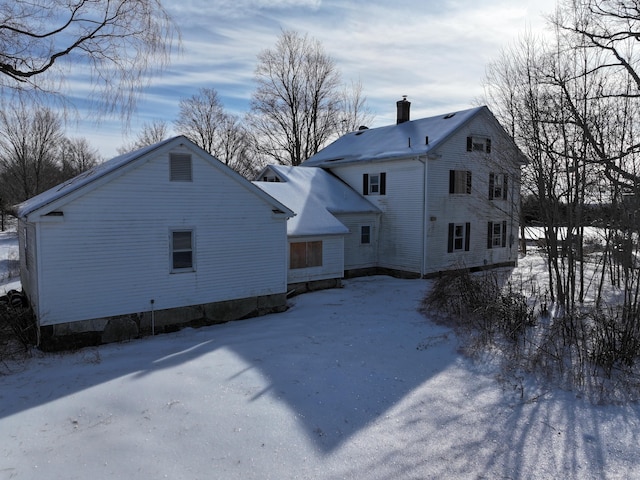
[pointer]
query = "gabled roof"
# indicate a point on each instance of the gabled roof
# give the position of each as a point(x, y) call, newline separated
point(394, 141)
point(103, 171)
point(314, 195)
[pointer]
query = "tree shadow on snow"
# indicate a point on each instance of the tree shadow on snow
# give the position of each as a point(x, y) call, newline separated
point(338, 358)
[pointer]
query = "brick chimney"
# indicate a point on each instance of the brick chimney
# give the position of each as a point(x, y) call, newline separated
point(403, 110)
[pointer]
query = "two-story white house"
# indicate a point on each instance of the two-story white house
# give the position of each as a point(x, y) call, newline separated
point(447, 187)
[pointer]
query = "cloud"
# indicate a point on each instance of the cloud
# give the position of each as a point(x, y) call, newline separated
point(435, 52)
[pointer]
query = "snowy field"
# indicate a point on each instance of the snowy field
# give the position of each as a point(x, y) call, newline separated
point(351, 383)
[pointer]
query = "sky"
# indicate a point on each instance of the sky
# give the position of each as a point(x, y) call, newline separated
point(434, 52)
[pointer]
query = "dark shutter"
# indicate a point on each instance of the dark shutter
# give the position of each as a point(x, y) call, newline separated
point(504, 234)
point(365, 184)
point(504, 187)
point(490, 235)
point(468, 181)
point(491, 185)
point(469, 144)
point(488, 145)
point(450, 240)
point(383, 183)
point(467, 236)
point(452, 181)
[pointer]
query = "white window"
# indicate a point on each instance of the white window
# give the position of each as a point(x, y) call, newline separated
point(459, 181)
point(365, 234)
point(497, 186)
point(374, 183)
point(479, 144)
point(459, 237)
point(497, 234)
point(182, 258)
point(180, 167)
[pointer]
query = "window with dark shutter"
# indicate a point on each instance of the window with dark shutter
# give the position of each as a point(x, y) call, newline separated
point(459, 237)
point(459, 181)
point(374, 183)
point(497, 234)
point(479, 144)
point(497, 186)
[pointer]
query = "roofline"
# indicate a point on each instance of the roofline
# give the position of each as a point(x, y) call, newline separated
point(146, 152)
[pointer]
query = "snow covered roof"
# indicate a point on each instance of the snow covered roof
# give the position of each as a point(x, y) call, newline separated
point(65, 188)
point(102, 170)
point(314, 195)
point(393, 141)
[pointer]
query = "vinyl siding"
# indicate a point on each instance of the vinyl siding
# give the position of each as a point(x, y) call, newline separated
point(28, 261)
point(475, 208)
point(400, 231)
point(357, 255)
point(111, 254)
point(332, 260)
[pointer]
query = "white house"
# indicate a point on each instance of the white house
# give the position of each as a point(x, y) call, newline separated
point(447, 187)
point(333, 229)
point(160, 237)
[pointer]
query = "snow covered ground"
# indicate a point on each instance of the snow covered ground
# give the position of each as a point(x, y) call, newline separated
point(351, 383)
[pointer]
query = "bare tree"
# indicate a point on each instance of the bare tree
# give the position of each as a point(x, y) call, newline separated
point(202, 119)
point(296, 103)
point(76, 156)
point(118, 43)
point(29, 141)
point(150, 134)
point(353, 110)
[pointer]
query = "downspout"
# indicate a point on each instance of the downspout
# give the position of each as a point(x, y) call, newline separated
point(423, 267)
point(38, 272)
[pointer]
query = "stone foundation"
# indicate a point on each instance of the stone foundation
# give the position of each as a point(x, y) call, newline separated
point(304, 287)
point(73, 335)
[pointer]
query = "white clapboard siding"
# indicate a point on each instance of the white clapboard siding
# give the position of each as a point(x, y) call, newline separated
point(28, 260)
point(476, 208)
point(332, 260)
point(400, 233)
point(111, 253)
point(356, 254)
